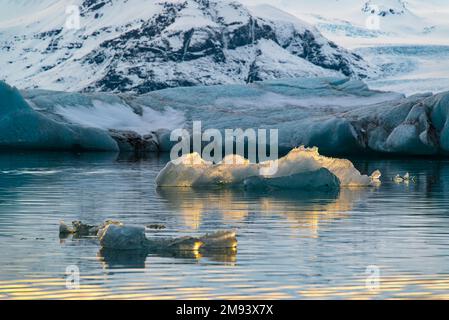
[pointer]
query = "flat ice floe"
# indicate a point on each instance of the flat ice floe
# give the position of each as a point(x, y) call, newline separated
point(302, 168)
point(114, 235)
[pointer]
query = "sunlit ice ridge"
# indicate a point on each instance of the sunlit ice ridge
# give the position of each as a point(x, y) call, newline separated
point(337, 115)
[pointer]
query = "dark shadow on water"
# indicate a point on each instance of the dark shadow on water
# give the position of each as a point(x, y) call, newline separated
point(113, 259)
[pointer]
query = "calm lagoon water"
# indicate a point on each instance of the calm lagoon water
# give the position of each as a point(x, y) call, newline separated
point(292, 245)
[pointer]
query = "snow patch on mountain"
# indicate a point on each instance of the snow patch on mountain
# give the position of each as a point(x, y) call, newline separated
point(117, 116)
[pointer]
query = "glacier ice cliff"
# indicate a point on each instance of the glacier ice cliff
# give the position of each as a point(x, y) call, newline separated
point(337, 115)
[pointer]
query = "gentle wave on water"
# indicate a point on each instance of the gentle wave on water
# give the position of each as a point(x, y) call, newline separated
point(291, 244)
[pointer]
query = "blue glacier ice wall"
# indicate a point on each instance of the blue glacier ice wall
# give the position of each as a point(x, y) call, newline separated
point(305, 111)
point(338, 115)
point(22, 127)
point(440, 120)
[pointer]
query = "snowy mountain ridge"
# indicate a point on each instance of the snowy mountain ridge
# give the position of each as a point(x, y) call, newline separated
point(144, 45)
point(398, 22)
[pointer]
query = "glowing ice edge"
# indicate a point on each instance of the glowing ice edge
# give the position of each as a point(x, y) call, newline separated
point(301, 168)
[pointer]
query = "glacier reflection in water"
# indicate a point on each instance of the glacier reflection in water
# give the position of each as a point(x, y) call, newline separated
point(291, 244)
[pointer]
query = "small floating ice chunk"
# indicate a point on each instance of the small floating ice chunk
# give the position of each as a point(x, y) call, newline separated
point(121, 237)
point(375, 176)
point(398, 179)
point(404, 179)
point(64, 229)
point(155, 226)
point(115, 236)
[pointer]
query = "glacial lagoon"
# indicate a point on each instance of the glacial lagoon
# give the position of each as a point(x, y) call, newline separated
point(290, 244)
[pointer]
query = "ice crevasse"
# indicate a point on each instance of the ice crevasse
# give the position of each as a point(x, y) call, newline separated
point(302, 168)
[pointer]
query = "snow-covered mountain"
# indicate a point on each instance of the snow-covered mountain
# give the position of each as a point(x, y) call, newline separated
point(355, 23)
point(143, 45)
point(406, 40)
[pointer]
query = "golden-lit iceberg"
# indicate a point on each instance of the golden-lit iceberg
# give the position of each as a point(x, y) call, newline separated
point(302, 168)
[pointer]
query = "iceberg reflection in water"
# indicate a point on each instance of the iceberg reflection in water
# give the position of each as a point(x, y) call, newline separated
point(291, 244)
point(237, 206)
